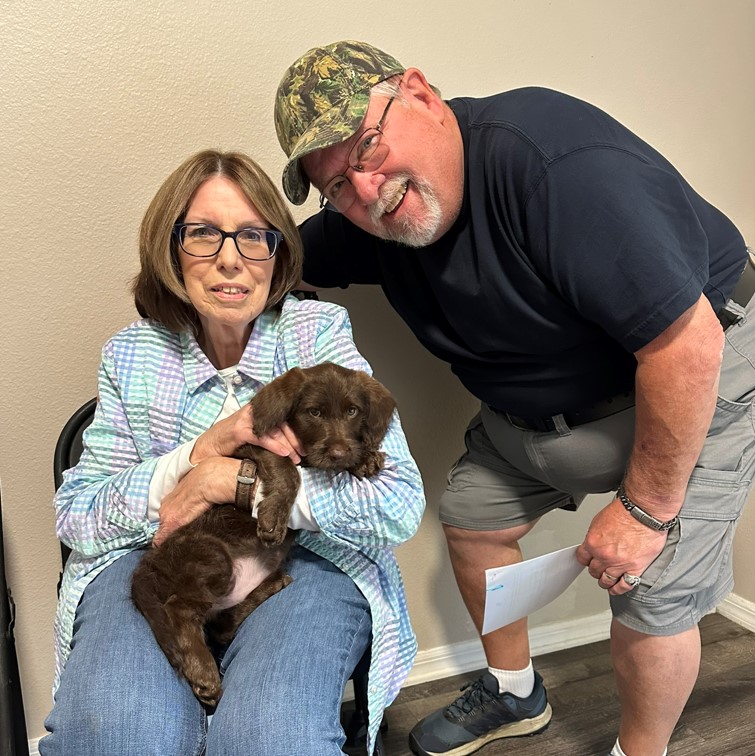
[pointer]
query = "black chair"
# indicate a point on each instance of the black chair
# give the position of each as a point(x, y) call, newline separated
point(67, 453)
point(13, 737)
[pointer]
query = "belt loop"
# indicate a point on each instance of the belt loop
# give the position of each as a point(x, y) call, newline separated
point(560, 423)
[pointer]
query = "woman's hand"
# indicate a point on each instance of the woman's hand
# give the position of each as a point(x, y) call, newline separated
point(211, 482)
point(223, 438)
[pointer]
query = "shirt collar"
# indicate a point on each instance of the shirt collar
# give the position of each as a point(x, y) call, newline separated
point(259, 356)
point(256, 362)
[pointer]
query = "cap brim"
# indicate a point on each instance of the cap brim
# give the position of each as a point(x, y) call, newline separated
point(336, 125)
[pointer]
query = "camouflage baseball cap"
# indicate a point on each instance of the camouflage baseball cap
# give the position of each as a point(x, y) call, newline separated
point(322, 100)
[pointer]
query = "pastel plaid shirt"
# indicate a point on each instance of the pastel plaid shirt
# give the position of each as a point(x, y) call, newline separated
point(157, 389)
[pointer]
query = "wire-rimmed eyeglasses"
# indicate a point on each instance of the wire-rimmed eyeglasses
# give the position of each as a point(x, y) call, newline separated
point(368, 154)
point(204, 240)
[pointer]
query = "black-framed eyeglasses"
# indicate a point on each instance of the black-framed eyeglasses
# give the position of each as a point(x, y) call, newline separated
point(204, 240)
point(368, 154)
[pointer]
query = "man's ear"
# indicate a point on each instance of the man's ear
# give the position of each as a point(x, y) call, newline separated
point(416, 87)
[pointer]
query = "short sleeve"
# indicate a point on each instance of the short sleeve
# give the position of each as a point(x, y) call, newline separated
point(337, 253)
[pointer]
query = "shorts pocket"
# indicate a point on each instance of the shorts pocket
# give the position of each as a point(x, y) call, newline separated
point(697, 560)
point(455, 481)
point(737, 379)
point(697, 555)
point(727, 454)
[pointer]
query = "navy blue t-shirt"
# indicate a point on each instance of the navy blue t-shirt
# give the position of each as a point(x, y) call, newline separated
point(577, 243)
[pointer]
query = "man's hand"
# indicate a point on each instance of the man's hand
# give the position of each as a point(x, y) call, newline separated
point(616, 543)
point(675, 384)
point(211, 482)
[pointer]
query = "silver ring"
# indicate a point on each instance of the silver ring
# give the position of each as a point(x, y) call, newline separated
point(632, 580)
point(611, 578)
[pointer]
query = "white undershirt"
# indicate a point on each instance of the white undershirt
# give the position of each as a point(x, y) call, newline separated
point(173, 466)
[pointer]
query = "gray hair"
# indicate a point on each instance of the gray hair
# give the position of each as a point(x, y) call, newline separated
point(391, 87)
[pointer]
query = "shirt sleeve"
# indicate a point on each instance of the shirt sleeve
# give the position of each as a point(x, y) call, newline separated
point(102, 503)
point(170, 468)
point(337, 253)
point(384, 510)
point(301, 513)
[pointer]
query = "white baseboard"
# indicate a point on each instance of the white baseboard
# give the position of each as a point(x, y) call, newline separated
point(465, 656)
point(456, 658)
point(738, 610)
point(445, 661)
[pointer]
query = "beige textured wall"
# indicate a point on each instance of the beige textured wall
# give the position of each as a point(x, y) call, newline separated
point(101, 99)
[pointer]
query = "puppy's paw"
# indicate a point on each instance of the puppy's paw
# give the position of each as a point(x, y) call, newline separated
point(370, 465)
point(210, 697)
point(206, 686)
point(272, 525)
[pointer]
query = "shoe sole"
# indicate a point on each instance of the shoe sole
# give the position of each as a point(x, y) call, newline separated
point(521, 729)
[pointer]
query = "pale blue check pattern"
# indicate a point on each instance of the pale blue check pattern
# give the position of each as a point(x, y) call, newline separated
point(157, 390)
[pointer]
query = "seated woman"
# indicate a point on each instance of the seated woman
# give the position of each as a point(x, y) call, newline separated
point(174, 391)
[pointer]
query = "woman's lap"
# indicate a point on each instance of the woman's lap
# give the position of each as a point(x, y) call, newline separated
point(295, 654)
point(283, 673)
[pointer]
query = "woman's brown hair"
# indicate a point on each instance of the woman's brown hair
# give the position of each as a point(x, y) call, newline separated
point(159, 292)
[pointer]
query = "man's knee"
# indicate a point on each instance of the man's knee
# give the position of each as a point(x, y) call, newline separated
point(463, 538)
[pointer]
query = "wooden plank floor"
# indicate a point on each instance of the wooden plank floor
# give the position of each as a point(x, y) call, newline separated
point(719, 719)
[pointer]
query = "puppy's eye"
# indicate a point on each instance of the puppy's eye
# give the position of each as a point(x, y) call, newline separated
point(351, 411)
point(314, 412)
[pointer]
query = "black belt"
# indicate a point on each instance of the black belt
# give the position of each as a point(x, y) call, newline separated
point(597, 411)
point(742, 293)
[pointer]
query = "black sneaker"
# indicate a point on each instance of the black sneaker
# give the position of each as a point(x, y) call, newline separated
point(478, 716)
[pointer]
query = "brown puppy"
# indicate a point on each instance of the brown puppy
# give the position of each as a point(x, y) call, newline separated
point(212, 573)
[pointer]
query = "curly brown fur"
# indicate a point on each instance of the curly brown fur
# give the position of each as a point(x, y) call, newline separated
point(184, 588)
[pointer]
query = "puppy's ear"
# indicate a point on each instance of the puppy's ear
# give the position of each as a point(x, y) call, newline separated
point(274, 403)
point(379, 411)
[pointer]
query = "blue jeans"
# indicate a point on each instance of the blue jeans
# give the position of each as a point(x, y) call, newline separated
point(283, 674)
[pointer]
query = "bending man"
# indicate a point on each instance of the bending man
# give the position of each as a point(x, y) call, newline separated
point(595, 304)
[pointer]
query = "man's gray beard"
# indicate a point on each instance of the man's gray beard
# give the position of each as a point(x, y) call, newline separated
point(411, 232)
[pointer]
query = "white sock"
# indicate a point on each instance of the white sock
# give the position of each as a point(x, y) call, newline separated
point(520, 682)
point(618, 752)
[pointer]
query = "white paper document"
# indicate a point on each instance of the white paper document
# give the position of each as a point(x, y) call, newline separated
point(518, 590)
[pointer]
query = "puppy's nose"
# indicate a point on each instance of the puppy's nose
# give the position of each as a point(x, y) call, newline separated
point(337, 452)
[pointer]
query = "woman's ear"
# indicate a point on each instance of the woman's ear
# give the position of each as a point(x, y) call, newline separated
point(273, 404)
